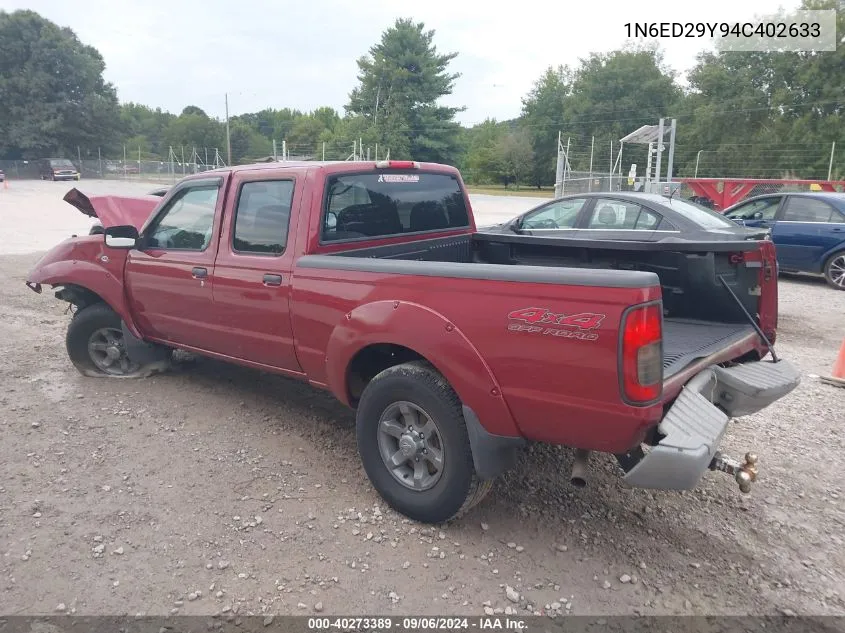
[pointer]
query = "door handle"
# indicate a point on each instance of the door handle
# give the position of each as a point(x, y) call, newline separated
point(198, 272)
point(837, 230)
point(272, 280)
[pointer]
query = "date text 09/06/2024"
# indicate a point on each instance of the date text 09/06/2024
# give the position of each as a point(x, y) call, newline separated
point(409, 623)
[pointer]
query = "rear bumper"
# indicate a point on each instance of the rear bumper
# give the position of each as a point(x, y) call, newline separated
point(694, 425)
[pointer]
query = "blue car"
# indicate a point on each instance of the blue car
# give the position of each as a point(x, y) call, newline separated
point(808, 230)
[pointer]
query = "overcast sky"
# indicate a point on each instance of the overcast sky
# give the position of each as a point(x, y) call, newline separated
point(302, 55)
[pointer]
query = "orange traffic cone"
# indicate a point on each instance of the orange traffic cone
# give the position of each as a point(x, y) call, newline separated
point(837, 374)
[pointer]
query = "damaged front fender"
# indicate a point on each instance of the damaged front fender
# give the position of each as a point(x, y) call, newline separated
point(86, 274)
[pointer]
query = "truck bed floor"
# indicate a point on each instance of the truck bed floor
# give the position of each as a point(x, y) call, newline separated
point(685, 341)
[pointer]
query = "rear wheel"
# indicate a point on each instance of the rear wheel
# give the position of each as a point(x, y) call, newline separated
point(414, 446)
point(834, 271)
point(95, 343)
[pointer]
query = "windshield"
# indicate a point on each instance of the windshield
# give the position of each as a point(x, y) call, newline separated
point(702, 216)
point(61, 162)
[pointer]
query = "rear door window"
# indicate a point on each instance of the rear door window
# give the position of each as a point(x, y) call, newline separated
point(622, 216)
point(262, 217)
point(800, 209)
point(385, 204)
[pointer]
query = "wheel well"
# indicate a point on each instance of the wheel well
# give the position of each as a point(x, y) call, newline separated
point(830, 257)
point(78, 296)
point(372, 360)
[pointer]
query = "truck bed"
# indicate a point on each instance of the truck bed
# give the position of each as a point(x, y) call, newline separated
point(685, 341)
point(700, 316)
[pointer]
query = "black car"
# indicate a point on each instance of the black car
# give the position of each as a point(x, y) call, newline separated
point(626, 216)
point(57, 169)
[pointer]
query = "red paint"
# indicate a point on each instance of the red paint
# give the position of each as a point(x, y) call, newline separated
point(536, 360)
point(726, 192)
point(114, 210)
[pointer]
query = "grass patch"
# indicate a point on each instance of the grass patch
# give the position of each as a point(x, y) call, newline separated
point(525, 192)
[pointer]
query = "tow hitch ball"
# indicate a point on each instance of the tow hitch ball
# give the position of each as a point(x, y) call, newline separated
point(745, 473)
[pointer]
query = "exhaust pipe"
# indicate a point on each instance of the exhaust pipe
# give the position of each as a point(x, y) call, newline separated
point(578, 477)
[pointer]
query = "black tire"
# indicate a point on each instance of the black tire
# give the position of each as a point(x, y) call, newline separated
point(832, 270)
point(97, 229)
point(85, 323)
point(458, 489)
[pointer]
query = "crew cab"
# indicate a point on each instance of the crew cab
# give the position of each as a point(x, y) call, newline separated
point(455, 348)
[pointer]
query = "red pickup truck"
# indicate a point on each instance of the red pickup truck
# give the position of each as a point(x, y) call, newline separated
point(455, 348)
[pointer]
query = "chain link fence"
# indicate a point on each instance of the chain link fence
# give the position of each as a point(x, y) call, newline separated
point(106, 169)
point(577, 182)
point(184, 161)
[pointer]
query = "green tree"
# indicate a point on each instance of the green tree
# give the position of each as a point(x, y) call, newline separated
point(613, 94)
point(195, 131)
point(53, 97)
point(481, 164)
point(138, 120)
point(543, 115)
point(766, 114)
point(515, 156)
point(400, 85)
point(192, 109)
point(247, 143)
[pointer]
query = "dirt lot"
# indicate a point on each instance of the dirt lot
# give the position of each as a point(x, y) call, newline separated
point(218, 489)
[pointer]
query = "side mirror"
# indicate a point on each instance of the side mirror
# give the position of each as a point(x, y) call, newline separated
point(331, 220)
point(124, 236)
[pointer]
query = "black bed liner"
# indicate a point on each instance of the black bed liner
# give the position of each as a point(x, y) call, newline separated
point(685, 341)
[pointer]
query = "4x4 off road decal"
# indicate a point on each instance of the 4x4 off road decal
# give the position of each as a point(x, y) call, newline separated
point(543, 321)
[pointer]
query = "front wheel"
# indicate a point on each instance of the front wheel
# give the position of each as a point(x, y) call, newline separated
point(95, 343)
point(834, 271)
point(414, 446)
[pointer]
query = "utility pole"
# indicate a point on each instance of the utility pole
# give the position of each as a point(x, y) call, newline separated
point(830, 165)
point(670, 162)
point(228, 139)
point(660, 134)
point(590, 182)
point(559, 168)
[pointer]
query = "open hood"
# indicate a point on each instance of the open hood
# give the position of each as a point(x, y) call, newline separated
point(114, 210)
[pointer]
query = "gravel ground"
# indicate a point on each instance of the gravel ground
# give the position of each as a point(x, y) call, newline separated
point(216, 489)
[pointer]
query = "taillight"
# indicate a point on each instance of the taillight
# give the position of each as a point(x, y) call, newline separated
point(642, 354)
point(397, 164)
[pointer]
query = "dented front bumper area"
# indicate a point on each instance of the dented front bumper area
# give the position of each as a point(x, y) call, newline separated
point(693, 427)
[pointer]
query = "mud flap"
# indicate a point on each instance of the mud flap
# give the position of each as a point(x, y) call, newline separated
point(491, 454)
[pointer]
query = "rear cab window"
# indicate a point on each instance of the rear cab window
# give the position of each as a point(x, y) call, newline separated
point(372, 205)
